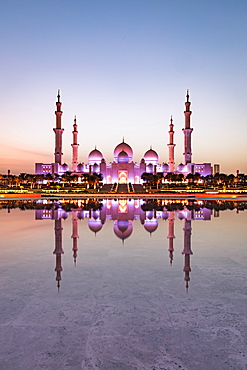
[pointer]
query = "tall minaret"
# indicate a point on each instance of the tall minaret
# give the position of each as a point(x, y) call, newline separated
point(171, 235)
point(187, 131)
point(75, 234)
point(187, 250)
point(58, 131)
point(58, 251)
point(171, 147)
point(74, 147)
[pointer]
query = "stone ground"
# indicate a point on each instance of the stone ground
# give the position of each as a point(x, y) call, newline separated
point(122, 307)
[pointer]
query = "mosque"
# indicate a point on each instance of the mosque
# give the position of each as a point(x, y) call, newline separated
point(123, 169)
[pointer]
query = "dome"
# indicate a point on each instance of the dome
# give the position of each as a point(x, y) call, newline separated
point(151, 156)
point(80, 215)
point(95, 156)
point(94, 225)
point(165, 214)
point(165, 167)
point(65, 167)
point(180, 167)
point(123, 157)
point(79, 168)
point(123, 147)
point(123, 228)
point(180, 215)
point(151, 225)
point(65, 215)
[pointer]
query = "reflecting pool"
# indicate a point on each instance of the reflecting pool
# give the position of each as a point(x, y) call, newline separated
point(123, 284)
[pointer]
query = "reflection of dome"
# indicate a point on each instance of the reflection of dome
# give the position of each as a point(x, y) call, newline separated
point(125, 148)
point(149, 215)
point(123, 228)
point(79, 167)
point(180, 215)
point(80, 215)
point(151, 157)
point(65, 215)
point(96, 214)
point(151, 225)
point(165, 214)
point(95, 156)
point(123, 157)
point(94, 225)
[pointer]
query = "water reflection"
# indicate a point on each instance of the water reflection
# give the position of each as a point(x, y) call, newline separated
point(123, 212)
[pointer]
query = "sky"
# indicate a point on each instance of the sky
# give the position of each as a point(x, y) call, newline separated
point(123, 68)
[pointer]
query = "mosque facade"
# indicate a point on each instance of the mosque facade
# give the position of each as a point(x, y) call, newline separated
point(123, 169)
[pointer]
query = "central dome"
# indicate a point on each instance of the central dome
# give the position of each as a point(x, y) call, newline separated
point(123, 157)
point(123, 147)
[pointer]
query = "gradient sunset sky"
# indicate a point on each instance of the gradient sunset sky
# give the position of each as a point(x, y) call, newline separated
point(123, 68)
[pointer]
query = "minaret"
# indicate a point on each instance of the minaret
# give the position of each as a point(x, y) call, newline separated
point(75, 146)
point(187, 131)
point(171, 147)
point(187, 250)
point(171, 235)
point(58, 131)
point(58, 251)
point(74, 235)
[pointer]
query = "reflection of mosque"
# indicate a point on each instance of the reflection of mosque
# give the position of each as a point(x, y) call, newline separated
point(123, 212)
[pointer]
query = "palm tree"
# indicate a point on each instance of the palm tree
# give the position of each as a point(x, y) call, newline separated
point(48, 178)
point(31, 179)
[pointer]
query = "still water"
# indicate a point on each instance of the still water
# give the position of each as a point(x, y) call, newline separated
point(123, 284)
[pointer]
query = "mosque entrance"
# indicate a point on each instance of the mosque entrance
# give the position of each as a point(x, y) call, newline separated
point(122, 177)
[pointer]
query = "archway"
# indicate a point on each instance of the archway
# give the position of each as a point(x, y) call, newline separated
point(123, 177)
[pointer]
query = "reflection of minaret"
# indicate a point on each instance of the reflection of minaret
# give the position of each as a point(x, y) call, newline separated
point(74, 147)
point(74, 235)
point(187, 131)
point(58, 250)
point(58, 131)
point(187, 250)
point(171, 235)
point(171, 147)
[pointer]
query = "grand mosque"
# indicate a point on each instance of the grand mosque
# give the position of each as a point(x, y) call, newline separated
point(123, 169)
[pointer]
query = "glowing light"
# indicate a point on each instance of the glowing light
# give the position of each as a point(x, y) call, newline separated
point(122, 206)
point(122, 177)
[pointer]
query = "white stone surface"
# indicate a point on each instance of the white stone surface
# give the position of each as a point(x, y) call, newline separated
point(123, 307)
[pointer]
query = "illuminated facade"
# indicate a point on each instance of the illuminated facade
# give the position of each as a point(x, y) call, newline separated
point(123, 169)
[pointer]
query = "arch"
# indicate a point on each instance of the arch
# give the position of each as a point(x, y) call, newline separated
point(122, 177)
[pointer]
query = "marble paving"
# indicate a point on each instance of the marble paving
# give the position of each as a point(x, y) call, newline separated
point(122, 307)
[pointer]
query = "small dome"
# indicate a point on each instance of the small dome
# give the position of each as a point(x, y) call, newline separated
point(180, 215)
point(125, 148)
point(151, 156)
point(65, 167)
point(95, 225)
point(123, 228)
point(180, 167)
point(151, 225)
point(165, 214)
point(79, 168)
point(80, 215)
point(95, 156)
point(123, 157)
point(65, 215)
point(165, 167)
